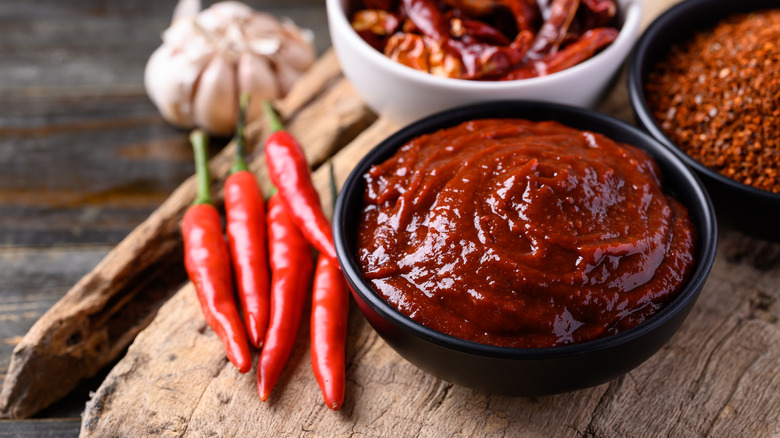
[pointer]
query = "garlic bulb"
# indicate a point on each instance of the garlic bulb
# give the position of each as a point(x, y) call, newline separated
point(209, 57)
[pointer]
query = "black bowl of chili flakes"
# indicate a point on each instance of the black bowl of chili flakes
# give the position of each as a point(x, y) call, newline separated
point(704, 80)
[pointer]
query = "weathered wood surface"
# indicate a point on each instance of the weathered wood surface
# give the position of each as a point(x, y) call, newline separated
point(718, 377)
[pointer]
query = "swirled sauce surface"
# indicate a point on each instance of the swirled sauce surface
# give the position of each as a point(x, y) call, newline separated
point(524, 234)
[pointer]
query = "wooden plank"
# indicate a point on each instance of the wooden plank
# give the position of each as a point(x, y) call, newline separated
point(31, 281)
point(45, 428)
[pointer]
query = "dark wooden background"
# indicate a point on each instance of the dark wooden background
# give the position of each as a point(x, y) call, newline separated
point(84, 155)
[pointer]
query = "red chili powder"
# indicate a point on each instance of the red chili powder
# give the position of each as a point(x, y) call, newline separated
point(717, 96)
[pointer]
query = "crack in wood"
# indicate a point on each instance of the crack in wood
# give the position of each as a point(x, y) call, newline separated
point(602, 405)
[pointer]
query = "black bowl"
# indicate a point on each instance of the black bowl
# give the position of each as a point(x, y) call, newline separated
point(526, 371)
point(746, 208)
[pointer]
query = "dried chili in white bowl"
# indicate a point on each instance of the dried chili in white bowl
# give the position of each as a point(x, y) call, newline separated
point(402, 85)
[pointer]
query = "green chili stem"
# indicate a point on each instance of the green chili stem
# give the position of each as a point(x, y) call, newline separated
point(239, 163)
point(199, 142)
point(273, 118)
point(334, 192)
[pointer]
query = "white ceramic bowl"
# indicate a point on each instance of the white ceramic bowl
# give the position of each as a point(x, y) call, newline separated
point(405, 95)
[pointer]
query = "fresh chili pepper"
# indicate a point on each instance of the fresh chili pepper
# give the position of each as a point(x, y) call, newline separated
point(329, 311)
point(291, 263)
point(245, 227)
point(289, 171)
point(207, 262)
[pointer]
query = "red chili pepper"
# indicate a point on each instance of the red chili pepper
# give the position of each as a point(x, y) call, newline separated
point(585, 47)
point(329, 311)
point(245, 217)
point(291, 267)
point(426, 17)
point(289, 171)
point(208, 264)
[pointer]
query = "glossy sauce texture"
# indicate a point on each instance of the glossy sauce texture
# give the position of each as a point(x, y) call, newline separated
point(523, 234)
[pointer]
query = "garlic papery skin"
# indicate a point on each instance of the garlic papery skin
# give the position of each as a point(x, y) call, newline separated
point(209, 57)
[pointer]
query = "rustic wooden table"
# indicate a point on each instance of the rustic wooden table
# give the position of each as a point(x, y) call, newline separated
point(85, 158)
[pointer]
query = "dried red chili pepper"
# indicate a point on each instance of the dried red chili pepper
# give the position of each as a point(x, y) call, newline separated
point(375, 26)
point(483, 61)
point(585, 47)
point(291, 263)
point(289, 171)
point(598, 12)
point(571, 55)
point(425, 16)
point(380, 4)
point(412, 51)
point(554, 30)
point(208, 264)
point(461, 27)
point(245, 217)
point(492, 39)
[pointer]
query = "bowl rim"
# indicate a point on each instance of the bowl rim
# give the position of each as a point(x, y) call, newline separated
point(626, 38)
point(707, 238)
point(638, 64)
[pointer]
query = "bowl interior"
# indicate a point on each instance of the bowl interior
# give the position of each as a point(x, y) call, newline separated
point(736, 202)
point(678, 181)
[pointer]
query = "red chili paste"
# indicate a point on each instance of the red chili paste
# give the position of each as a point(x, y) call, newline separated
point(523, 234)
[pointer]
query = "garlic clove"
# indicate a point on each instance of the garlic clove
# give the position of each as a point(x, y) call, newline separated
point(286, 75)
point(156, 82)
point(170, 76)
point(215, 18)
point(263, 25)
point(215, 103)
point(256, 77)
point(186, 9)
point(297, 49)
